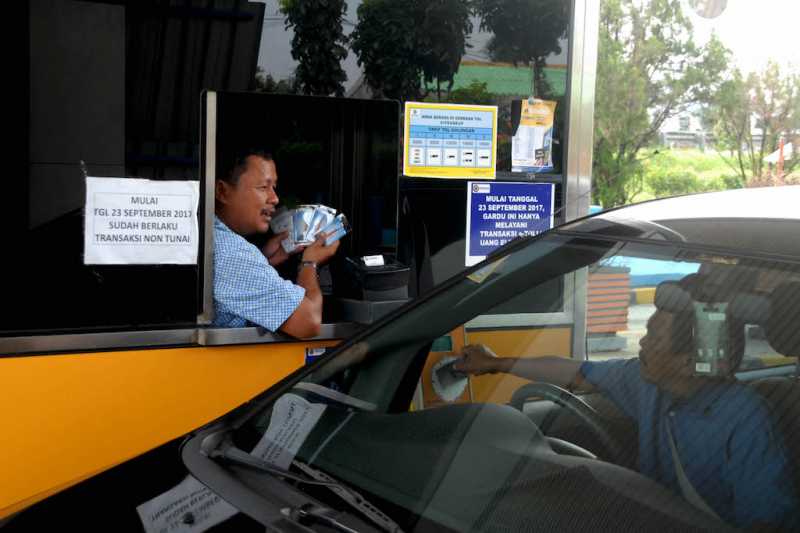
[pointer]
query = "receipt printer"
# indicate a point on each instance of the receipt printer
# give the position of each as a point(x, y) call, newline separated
point(370, 288)
point(378, 278)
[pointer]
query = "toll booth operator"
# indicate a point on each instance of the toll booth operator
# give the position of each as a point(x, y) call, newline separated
point(247, 288)
point(730, 451)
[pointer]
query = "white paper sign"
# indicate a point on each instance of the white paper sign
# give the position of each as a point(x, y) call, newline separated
point(140, 222)
point(292, 420)
point(190, 506)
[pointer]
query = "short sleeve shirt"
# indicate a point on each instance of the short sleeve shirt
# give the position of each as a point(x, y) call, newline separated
point(725, 438)
point(247, 289)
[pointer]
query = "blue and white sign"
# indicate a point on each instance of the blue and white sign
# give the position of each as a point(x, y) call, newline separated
point(498, 212)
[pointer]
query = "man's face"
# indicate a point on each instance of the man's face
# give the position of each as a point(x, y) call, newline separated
point(247, 207)
point(659, 362)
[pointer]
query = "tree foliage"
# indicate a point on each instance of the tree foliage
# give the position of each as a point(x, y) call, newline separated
point(318, 44)
point(525, 31)
point(443, 27)
point(477, 92)
point(384, 43)
point(400, 45)
point(265, 83)
point(649, 68)
point(749, 115)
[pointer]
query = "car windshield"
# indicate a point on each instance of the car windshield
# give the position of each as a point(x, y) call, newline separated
point(432, 446)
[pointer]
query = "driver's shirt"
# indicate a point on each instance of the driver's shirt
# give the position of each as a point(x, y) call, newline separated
point(247, 289)
point(725, 439)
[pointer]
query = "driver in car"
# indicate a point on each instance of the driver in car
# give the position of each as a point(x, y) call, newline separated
point(723, 434)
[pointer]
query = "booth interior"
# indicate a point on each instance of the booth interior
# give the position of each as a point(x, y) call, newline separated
point(347, 154)
point(339, 153)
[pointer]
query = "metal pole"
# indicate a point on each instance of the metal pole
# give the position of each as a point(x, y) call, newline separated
point(580, 142)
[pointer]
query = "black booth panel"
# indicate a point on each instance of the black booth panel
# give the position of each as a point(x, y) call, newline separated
point(81, 96)
point(431, 240)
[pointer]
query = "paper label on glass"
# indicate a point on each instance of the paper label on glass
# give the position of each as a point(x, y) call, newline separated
point(140, 222)
point(293, 419)
point(498, 212)
point(188, 507)
point(532, 144)
point(449, 140)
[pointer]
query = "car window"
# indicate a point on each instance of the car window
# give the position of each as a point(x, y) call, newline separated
point(620, 299)
point(620, 294)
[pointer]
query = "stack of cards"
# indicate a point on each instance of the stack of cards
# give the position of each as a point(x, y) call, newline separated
point(306, 222)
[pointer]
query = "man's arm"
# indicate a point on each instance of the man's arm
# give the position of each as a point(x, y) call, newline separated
point(560, 371)
point(306, 320)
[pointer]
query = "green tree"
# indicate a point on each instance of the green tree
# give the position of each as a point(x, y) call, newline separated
point(525, 31)
point(477, 92)
point(318, 44)
point(402, 45)
point(385, 45)
point(765, 103)
point(441, 38)
point(265, 83)
point(649, 68)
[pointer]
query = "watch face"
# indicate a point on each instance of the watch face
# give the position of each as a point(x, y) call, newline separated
point(447, 384)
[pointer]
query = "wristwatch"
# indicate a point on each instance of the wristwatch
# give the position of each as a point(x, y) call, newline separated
point(303, 264)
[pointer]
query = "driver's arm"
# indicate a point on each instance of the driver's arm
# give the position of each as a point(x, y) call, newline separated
point(478, 359)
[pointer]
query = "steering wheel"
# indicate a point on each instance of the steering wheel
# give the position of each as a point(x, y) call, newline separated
point(587, 414)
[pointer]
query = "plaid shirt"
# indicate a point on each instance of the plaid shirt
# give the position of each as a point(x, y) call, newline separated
point(247, 290)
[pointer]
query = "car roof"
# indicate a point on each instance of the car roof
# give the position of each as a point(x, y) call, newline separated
point(759, 220)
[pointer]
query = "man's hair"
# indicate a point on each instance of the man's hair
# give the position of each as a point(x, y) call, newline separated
point(237, 165)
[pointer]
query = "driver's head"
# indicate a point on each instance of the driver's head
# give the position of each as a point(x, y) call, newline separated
point(668, 347)
point(665, 354)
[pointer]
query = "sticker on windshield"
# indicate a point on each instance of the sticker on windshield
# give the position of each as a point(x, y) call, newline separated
point(293, 419)
point(480, 275)
point(189, 506)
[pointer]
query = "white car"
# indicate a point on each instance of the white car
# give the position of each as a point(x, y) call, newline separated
point(337, 446)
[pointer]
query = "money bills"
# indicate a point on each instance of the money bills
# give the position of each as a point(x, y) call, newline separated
point(306, 222)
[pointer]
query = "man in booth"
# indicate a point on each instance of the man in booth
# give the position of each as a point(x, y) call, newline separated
point(247, 288)
point(735, 462)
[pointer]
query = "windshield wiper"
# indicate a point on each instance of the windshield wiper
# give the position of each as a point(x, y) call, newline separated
point(309, 514)
point(229, 452)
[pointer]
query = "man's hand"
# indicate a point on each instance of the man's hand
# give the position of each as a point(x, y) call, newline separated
point(273, 250)
point(477, 359)
point(318, 252)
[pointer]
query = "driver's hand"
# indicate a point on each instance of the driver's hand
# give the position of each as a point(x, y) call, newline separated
point(476, 359)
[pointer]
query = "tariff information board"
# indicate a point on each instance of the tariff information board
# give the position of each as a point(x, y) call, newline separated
point(449, 140)
point(140, 222)
point(498, 212)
